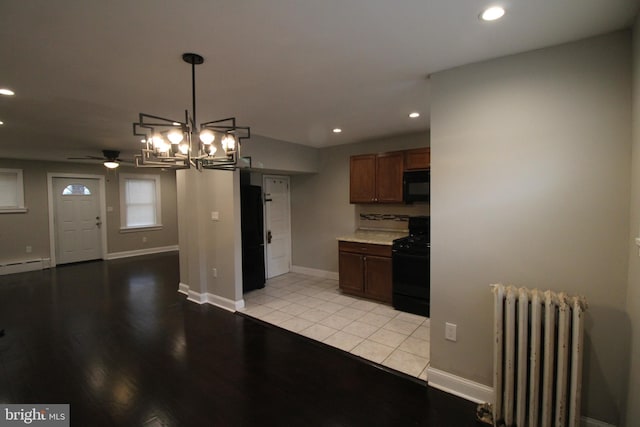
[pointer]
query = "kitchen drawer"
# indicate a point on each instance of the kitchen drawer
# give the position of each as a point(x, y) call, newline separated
point(365, 248)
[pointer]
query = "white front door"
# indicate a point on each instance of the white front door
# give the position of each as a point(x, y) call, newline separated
point(77, 219)
point(278, 228)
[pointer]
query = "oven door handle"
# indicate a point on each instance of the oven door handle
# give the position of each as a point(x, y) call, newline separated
point(396, 253)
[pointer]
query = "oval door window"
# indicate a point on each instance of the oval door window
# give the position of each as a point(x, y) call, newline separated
point(76, 190)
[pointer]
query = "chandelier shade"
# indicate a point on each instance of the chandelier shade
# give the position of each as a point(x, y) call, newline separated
point(175, 144)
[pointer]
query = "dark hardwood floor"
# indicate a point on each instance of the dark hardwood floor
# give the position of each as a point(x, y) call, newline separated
point(116, 341)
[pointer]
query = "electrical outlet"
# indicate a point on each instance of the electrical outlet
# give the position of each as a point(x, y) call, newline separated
point(215, 216)
point(450, 331)
point(29, 249)
point(214, 271)
point(144, 239)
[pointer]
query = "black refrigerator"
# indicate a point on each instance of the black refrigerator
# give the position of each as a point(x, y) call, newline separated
point(251, 208)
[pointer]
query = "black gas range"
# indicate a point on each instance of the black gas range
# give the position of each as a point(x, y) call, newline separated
point(411, 268)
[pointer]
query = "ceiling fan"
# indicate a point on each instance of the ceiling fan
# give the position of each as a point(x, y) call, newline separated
point(109, 157)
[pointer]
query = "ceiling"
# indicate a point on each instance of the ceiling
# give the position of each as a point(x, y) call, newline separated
point(292, 70)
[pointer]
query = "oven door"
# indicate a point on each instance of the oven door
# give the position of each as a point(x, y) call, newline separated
point(411, 274)
point(411, 283)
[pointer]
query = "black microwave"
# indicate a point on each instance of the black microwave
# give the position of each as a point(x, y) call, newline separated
point(416, 186)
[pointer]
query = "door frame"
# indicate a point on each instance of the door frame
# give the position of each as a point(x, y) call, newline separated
point(266, 247)
point(102, 200)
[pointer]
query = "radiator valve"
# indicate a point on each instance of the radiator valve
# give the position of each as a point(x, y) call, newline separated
point(484, 413)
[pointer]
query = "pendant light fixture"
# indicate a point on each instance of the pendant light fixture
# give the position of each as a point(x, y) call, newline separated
point(174, 144)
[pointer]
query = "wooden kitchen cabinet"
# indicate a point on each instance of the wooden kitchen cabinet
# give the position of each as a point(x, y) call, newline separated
point(418, 158)
point(376, 178)
point(362, 179)
point(378, 278)
point(351, 267)
point(365, 270)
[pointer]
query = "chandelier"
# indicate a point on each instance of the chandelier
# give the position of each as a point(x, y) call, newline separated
point(175, 144)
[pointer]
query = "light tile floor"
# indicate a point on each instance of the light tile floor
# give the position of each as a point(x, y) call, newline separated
point(315, 307)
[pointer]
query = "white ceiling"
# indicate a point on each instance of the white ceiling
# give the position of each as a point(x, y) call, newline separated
point(292, 70)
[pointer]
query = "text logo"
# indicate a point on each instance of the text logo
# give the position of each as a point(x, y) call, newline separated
point(34, 415)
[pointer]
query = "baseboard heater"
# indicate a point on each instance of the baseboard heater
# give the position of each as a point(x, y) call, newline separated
point(24, 265)
point(538, 351)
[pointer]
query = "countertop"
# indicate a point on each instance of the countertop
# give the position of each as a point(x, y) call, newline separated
point(374, 236)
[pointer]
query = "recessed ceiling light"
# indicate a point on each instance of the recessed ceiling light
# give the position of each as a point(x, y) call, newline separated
point(492, 13)
point(1, 122)
point(337, 130)
point(414, 115)
point(7, 92)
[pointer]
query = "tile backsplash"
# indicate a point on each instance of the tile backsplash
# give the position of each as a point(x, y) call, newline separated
point(388, 217)
point(383, 217)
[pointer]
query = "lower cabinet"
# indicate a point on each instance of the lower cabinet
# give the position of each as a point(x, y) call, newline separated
point(365, 270)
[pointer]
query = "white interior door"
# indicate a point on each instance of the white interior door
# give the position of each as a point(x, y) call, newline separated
point(277, 225)
point(77, 219)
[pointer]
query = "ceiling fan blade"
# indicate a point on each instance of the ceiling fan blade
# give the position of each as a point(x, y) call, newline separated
point(85, 158)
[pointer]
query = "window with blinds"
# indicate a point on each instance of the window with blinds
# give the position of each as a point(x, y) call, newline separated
point(11, 191)
point(139, 201)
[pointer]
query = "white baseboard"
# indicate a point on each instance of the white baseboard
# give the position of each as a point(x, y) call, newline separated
point(138, 252)
point(23, 266)
point(314, 272)
point(590, 422)
point(458, 386)
point(209, 298)
point(183, 288)
point(480, 393)
point(227, 304)
point(196, 297)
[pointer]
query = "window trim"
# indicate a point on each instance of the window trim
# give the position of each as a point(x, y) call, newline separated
point(20, 208)
point(123, 203)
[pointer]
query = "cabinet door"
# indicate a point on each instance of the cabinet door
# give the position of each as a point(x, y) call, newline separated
point(389, 168)
point(419, 158)
point(378, 277)
point(362, 179)
point(351, 272)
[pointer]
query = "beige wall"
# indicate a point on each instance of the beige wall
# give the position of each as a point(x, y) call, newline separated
point(272, 155)
point(32, 228)
point(633, 292)
point(320, 209)
point(206, 244)
point(530, 186)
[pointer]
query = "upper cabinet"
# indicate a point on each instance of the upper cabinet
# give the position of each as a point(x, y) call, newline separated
point(389, 168)
point(362, 179)
point(419, 158)
point(376, 178)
